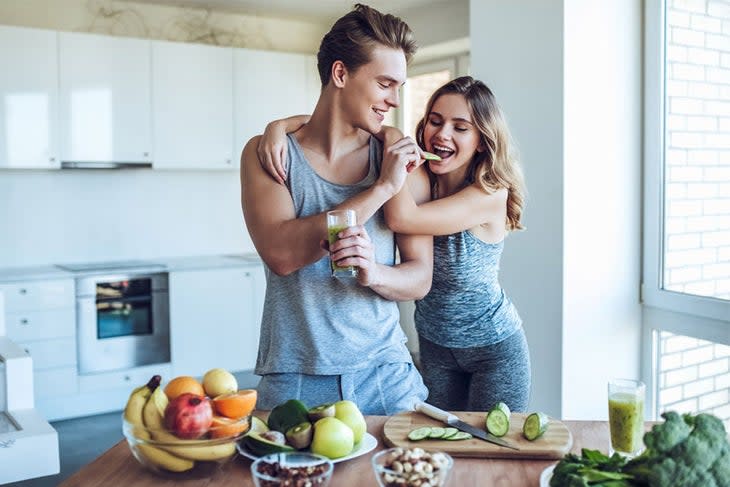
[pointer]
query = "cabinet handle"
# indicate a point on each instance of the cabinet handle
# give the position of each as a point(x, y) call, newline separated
point(146, 154)
point(24, 321)
point(247, 274)
point(228, 161)
point(27, 351)
point(23, 291)
point(52, 159)
point(126, 378)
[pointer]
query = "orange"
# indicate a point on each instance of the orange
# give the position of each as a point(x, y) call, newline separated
point(236, 404)
point(181, 385)
point(223, 427)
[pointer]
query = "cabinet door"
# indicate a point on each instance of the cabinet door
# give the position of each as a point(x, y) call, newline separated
point(106, 107)
point(192, 87)
point(214, 319)
point(29, 94)
point(270, 85)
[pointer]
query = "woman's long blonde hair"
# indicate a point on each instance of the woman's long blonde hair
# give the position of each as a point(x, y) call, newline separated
point(497, 166)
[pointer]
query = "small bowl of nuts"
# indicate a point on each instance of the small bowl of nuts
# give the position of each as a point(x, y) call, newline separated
point(292, 469)
point(411, 467)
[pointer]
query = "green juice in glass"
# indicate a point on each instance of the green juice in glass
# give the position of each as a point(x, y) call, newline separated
point(336, 269)
point(626, 419)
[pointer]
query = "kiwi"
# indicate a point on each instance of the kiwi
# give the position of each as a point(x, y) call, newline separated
point(300, 436)
point(322, 411)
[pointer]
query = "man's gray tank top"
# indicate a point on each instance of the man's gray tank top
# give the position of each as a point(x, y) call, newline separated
point(314, 323)
point(466, 306)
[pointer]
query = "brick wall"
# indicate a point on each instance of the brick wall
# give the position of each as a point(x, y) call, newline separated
point(697, 232)
point(693, 376)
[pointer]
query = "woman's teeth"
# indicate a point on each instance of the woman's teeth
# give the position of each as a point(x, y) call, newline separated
point(442, 152)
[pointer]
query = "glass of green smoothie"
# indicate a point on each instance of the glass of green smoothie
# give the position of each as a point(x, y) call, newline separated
point(626, 416)
point(338, 220)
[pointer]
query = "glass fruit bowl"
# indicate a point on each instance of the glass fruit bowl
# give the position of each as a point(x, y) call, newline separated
point(405, 467)
point(165, 454)
point(292, 469)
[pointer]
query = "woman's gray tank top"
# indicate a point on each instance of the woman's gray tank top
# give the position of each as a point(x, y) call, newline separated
point(316, 324)
point(466, 306)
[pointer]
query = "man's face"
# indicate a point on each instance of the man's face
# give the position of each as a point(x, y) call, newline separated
point(373, 88)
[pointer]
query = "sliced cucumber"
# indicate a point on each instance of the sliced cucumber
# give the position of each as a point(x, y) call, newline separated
point(437, 432)
point(419, 434)
point(449, 432)
point(460, 435)
point(498, 419)
point(535, 426)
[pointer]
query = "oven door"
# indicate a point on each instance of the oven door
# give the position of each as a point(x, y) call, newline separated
point(123, 321)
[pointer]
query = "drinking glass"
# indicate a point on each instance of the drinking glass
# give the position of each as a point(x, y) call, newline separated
point(626, 416)
point(338, 220)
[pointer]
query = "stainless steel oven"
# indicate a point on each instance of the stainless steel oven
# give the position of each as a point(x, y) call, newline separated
point(123, 321)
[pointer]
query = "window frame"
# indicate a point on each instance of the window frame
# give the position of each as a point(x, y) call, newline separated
point(700, 317)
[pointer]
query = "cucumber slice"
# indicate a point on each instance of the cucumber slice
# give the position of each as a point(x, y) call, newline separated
point(460, 435)
point(430, 156)
point(437, 432)
point(535, 426)
point(449, 432)
point(498, 419)
point(419, 434)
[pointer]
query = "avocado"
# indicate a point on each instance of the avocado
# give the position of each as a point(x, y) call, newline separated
point(287, 415)
point(260, 446)
point(258, 425)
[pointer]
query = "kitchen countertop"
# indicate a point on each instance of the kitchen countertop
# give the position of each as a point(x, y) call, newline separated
point(171, 264)
point(118, 467)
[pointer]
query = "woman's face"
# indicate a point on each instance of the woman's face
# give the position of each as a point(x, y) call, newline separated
point(450, 133)
point(373, 88)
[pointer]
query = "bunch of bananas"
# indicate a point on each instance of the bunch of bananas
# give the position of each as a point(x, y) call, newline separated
point(145, 412)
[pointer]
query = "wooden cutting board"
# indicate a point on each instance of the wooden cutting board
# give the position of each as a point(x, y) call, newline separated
point(554, 444)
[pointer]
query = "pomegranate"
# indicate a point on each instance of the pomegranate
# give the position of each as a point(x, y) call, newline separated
point(189, 416)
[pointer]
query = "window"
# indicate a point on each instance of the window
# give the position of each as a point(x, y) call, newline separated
point(686, 270)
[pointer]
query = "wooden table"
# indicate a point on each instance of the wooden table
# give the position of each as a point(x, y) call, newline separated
point(117, 466)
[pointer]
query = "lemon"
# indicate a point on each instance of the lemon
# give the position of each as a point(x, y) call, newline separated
point(219, 381)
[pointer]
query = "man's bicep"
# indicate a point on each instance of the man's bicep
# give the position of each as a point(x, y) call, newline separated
point(266, 204)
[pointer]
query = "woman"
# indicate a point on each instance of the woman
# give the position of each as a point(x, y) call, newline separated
point(473, 349)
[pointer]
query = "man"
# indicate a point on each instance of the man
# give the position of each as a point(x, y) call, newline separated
point(322, 338)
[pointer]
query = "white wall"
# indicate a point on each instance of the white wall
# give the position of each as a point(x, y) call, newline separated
point(438, 23)
point(567, 74)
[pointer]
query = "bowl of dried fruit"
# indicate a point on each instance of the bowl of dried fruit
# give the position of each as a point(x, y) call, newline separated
point(406, 467)
point(292, 469)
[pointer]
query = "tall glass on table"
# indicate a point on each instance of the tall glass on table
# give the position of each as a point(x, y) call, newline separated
point(337, 221)
point(626, 416)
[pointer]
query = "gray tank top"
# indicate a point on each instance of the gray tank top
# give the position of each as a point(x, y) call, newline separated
point(466, 306)
point(316, 324)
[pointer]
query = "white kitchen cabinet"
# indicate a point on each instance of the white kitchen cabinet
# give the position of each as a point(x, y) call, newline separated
point(29, 94)
point(214, 318)
point(192, 108)
point(269, 85)
point(106, 105)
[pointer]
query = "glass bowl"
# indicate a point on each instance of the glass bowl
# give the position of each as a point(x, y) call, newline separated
point(403, 467)
point(164, 454)
point(292, 469)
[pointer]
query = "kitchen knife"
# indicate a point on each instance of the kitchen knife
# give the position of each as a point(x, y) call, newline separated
point(452, 420)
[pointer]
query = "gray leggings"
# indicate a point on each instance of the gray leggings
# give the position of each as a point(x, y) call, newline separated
point(474, 379)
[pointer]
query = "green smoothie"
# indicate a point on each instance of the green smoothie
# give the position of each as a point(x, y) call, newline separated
point(332, 236)
point(626, 418)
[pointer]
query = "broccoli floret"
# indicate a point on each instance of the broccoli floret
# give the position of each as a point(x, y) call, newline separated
point(663, 437)
point(669, 473)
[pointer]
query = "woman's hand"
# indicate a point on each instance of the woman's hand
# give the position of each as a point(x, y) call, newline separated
point(272, 150)
point(354, 248)
point(399, 159)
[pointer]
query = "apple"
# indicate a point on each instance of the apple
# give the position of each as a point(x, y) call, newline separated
point(219, 381)
point(332, 438)
point(348, 413)
point(189, 416)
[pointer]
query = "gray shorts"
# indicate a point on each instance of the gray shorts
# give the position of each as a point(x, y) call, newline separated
point(385, 390)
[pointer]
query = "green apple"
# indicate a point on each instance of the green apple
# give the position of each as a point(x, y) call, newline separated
point(332, 438)
point(348, 413)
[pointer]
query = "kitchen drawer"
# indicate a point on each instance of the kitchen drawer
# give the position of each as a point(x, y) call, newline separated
point(28, 326)
point(48, 354)
point(35, 295)
point(55, 382)
point(123, 379)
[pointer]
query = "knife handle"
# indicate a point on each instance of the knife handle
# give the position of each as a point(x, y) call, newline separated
point(434, 412)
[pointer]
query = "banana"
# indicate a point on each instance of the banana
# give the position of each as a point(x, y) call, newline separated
point(134, 414)
point(153, 416)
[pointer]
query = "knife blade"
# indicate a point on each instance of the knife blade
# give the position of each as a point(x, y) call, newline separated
point(451, 419)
